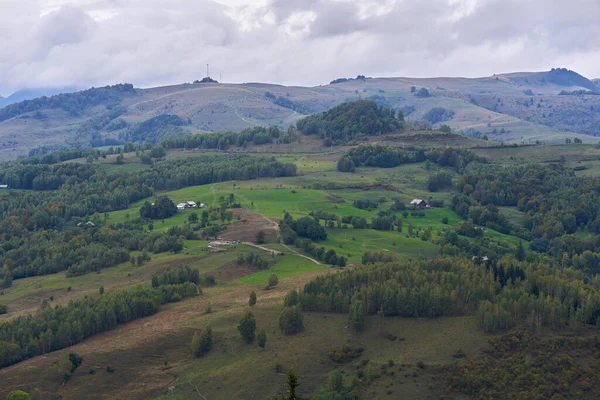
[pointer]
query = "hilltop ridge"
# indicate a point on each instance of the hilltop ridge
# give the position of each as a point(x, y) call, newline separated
point(512, 107)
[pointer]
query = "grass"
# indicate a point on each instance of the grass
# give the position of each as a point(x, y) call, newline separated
point(286, 266)
point(217, 375)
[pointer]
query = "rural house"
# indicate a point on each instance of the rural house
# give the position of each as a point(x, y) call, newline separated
point(418, 203)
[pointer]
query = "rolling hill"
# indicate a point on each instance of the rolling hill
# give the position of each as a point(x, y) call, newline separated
point(515, 107)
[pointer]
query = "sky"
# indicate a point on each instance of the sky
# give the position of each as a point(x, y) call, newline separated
point(84, 43)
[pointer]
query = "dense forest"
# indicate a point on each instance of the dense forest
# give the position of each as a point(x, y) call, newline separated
point(349, 120)
point(503, 294)
point(557, 205)
point(375, 155)
point(223, 140)
point(54, 328)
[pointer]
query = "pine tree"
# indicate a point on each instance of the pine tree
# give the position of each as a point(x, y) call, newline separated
point(202, 343)
point(247, 327)
point(357, 316)
point(520, 255)
point(252, 300)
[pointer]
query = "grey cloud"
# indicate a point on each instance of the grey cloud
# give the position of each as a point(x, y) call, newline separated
point(156, 42)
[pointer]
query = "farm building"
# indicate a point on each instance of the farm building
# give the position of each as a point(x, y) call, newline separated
point(418, 203)
point(3, 186)
point(188, 204)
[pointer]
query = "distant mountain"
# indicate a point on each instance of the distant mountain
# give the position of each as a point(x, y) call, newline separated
point(28, 94)
point(513, 107)
point(556, 76)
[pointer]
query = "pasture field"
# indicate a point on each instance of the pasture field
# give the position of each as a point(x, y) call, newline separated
point(286, 266)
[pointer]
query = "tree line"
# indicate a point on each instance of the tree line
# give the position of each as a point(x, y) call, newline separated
point(54, 328)
point(375, 155)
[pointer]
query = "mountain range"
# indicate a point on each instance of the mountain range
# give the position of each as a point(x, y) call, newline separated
point(526, 107)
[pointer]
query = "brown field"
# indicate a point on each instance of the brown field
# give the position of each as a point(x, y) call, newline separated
point(248, 226)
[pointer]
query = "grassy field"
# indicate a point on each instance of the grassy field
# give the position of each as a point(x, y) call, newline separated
point(286, 266)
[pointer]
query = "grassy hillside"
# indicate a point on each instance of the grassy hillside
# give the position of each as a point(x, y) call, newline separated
point(447, 354)
point(221, 107)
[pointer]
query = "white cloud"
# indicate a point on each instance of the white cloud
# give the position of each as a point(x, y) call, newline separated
point(54, 43)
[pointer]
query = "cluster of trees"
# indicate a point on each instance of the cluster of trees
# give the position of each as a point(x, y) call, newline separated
point(54, 328)
point(365, 204)
point(342, 80)
point(503, 293)
point(77, 250)
point(556, 205)
point(438, 114)
point(282, 101)
point(253, 260)
point(156, 129)
point(375, 155)
point(162, 208)
point(328, 257)
point(305, 227)
point(441, 180)
point(445, 286)
point(223, 140)
point(176, 276)
point(350, 120)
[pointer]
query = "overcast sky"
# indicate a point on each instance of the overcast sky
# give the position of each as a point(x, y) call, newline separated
point(58, 43)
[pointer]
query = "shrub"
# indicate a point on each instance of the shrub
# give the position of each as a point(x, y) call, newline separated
point(273, 281)
point(262, 339)
point(3, 309)
point(345, 354)
point(18, 395)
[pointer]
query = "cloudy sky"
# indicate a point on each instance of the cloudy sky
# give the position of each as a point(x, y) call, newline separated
point(58, 43)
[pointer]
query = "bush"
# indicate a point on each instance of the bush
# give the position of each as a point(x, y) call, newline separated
point(273, 281)
point(3, 309)
point(345, 354)
point(18, 395)
point(247, 327)
point(252, 300)
point(291, 320)
point(262, 339)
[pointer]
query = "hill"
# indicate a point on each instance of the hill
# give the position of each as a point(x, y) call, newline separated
point(508, 108)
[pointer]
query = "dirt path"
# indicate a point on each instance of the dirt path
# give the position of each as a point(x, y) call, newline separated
point(272, 224)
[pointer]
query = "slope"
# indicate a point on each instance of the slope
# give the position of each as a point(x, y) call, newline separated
point(498, 107)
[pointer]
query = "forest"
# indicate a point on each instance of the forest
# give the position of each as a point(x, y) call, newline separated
point(350, 120)
point(54, 328)
point(223, 140)
point(503, 294)
point(375, 155)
